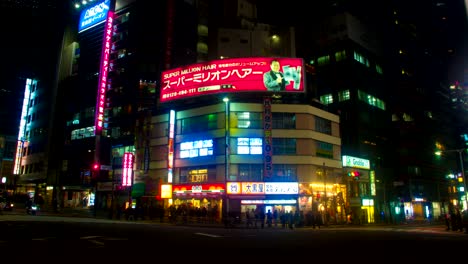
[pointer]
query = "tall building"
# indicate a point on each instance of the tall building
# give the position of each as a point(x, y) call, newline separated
point(224, 157)
point(29, 66)
point(345, 66)
point(387, 74)
point(425, 52)
point(112, 54)
point(352, 133)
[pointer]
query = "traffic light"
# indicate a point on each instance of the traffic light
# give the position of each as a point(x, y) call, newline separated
point(354, 174)
point(96, 166)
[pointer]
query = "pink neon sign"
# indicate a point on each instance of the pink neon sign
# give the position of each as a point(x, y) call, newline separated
point(104, 70)
point(231, 76)
point(127, 173)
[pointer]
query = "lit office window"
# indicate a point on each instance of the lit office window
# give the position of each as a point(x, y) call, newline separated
point(326, 99)
point(249, 146)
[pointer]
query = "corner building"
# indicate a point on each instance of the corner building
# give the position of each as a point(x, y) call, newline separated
point(304, 173)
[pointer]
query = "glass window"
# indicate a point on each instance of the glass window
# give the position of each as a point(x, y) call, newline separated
point(248, 120)
point(284, 120)
point(249, 145)
point(323, 60)
point(250, 172)
point(324, 150)
point(284, 146)
point(344, 95)
point(326, 99)
point(361, 59)
point(322, 125)
point(199, 123)
point(340, 55)
point(193, 149)
point(284, 172)
point(378, 69)
point(371, 100)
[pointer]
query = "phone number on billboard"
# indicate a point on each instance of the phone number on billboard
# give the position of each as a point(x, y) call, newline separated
point(180, 93)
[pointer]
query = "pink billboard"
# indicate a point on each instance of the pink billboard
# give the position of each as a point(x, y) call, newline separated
point(232, 76)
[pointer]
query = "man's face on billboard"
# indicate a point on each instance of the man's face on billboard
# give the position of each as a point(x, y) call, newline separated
point(275, 66)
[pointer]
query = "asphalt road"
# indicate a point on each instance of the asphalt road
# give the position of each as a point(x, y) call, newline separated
point(77, 240)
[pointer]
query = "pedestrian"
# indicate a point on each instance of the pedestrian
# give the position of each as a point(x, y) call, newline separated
point(283, 219)
point(269, 216)
point(447, 221)
point(458, 221)
point(2, 206)
point(316, 220)
point(275, 217)
point(261, 217)
point(291, 219)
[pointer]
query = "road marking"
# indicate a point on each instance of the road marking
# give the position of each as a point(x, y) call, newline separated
point(99, 243)
point(89, 237)
point(208, 235)
point(115, 238)
point(43, 238)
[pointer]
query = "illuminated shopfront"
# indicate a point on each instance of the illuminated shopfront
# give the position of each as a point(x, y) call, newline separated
point(197, 196)
point(281, 196)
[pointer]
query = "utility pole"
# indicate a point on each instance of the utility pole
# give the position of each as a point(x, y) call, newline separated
point(226, 154)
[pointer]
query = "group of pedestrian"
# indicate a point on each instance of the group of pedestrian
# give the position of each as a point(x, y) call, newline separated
point(453, 220)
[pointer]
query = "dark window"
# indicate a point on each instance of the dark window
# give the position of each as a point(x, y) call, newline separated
point(322, 125)
point(282, 146)
point(199, 123)
point(250, 172)
point(284, 172)
point(284, 120)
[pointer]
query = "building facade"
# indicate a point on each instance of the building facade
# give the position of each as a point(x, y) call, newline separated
point(306, 173)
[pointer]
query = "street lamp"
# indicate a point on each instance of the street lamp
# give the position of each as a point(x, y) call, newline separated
point(459, 151)
point(4, 179)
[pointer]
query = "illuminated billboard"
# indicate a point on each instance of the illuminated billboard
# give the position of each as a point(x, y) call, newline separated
point(93, 16)
point(256, 188)
point(127, 172)
point(197, 148)
point(104, 71)
point(233, 75)
point(353, 162)
point(198, 188)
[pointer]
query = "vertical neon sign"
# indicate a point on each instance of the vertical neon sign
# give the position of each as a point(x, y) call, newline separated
point(170, 146)
point(127, 173)
point(24, 114)
point(267, 145)
point(372, 182)
point(104, 70)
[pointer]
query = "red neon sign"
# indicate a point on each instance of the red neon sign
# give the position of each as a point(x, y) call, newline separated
point(229, 76)
point(104, 70)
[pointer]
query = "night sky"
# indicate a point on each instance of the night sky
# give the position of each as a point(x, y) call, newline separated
point(28, 44)
point(30, 36)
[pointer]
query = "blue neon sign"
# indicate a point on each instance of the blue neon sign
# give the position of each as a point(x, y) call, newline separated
point(93, 16)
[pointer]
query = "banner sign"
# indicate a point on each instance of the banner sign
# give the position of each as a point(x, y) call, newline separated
point(261, 188)
point(93, 16)
point(268, 142)
point(254, 74)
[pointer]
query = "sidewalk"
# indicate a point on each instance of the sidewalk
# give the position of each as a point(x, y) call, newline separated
point(103, 215)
